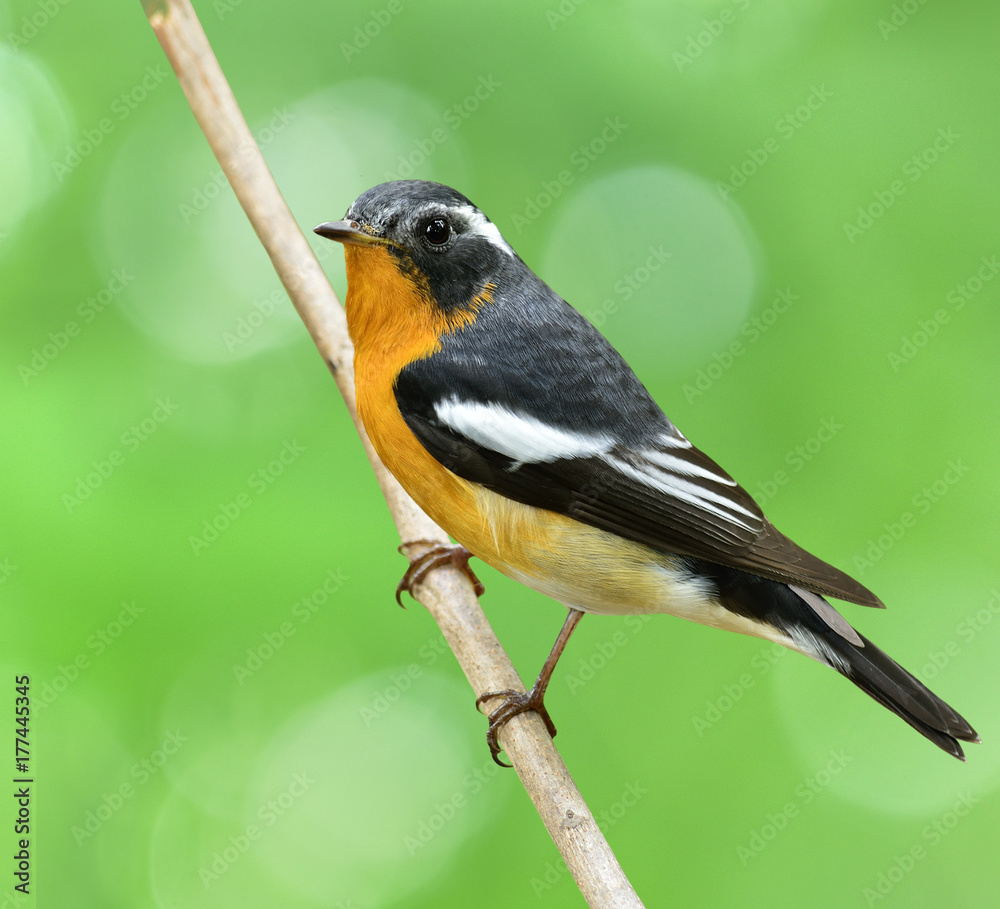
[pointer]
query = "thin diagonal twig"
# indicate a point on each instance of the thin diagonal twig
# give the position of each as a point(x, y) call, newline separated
point(446, 592)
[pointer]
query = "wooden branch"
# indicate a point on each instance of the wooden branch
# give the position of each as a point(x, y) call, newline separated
point(446, 592)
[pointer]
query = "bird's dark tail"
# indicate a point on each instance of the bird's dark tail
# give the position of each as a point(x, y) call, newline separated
point(818, 630)
point(878, 675)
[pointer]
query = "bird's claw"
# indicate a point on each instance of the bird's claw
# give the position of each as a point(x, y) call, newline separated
point(439, 554)
point(514, 703)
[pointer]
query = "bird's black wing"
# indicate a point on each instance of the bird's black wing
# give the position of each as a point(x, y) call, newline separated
point(516, 410)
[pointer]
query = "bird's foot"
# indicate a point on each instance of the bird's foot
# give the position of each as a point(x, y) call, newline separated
point(439, 554)
point(514, 702)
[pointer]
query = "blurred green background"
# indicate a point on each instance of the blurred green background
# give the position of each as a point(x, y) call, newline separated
point(782, 213)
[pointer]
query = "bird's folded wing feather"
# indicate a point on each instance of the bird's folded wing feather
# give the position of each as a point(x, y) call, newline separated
point(662, 492)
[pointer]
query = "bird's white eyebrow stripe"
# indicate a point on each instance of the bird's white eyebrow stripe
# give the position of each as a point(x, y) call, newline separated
point(486, 229)
point(525, 439)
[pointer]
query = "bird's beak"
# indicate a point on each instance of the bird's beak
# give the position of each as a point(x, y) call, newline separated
point(347, 232)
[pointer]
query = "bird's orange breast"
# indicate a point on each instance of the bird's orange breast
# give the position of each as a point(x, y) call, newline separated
point(393, 321)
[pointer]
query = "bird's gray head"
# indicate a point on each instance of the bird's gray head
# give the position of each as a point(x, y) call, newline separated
point(434, 232)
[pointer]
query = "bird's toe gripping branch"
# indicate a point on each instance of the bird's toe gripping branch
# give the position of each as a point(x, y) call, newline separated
point(515, 702)
point(439, 554)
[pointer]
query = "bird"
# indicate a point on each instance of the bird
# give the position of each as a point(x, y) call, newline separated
point(521, 431)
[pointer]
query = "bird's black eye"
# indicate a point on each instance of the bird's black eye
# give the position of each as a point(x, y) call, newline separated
point(437, 231)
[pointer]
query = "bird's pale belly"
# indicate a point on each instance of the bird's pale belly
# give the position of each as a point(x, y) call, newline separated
point(581, 566)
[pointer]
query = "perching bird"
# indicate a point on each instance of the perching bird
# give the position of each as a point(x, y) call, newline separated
point(521, 431)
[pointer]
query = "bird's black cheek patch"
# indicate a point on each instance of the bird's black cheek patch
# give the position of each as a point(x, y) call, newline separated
point(459, 275)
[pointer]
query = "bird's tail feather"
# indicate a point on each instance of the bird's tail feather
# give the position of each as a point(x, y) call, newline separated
point(881, 677)
point(808, 623)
